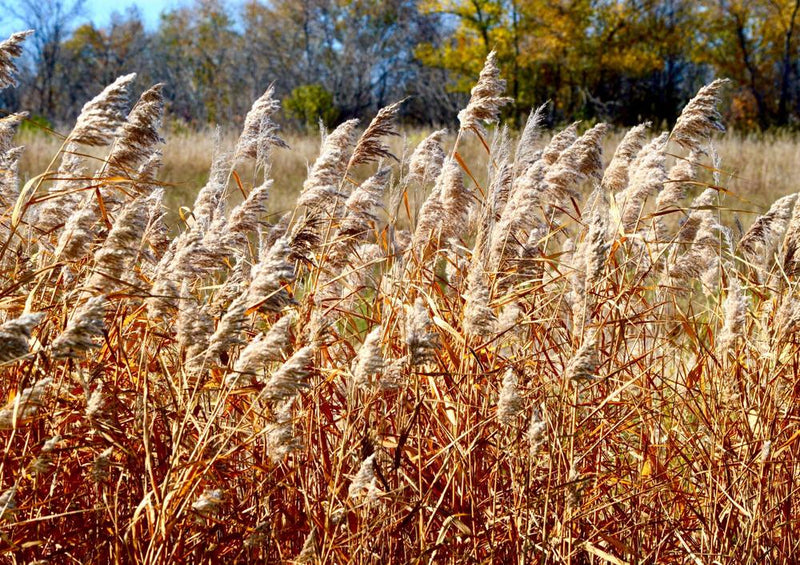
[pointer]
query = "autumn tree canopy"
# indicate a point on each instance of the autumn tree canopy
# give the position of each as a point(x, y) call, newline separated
point(617, 60)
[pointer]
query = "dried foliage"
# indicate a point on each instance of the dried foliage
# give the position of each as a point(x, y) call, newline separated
point(558, 379)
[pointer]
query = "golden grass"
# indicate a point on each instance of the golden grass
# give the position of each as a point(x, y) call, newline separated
point(345, 391)
point(756, 169)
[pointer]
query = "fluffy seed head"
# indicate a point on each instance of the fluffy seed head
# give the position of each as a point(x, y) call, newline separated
point(139, 136)
point(14, 336)
point(102, 116)
point(259, 131)
point(421, 341)
point(427, 159)
point(615, 178)
point(526, 146)
point(322, 184)
point(209, 502)
point(290, 378)
point(370, 146)
point(369, 360)
point(486, 98)
point(510, 402)
point(24, 405)
point(583, 364)
point(265, 347)
point(83, 329)
point(10, 49)
point(735, 312)
point(365, 483)
point(700, 118)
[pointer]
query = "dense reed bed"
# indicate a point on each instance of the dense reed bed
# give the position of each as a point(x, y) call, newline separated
point(546, 361)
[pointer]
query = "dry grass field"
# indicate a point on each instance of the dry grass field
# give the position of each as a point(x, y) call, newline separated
point(564, 347)
point(756, 169)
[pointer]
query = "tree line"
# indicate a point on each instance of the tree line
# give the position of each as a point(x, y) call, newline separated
point(622, 61)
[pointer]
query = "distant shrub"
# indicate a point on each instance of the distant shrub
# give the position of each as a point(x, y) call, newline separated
point(309, 103)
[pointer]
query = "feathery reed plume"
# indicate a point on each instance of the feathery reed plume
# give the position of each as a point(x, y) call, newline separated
point(591, 253)
point(259, 131)
point(581, 161)
point(486, 98)
point(96, 405)
point(102, 116)
point(584, 363)
point(787, 318)
point(537, 432)
point(681, 175)
point(8, 129)
point(791, 244)
point(526, 154)
point(24, 405)
point(70, 177)
point(700, 209)
point(769, 227)
point(139, 136)
point(10, 49)
point(426, 161)
point(306, 235)
point(194, 329)
point(479, 319)
point(393, 376)
point(509, 403)
point(99, 471)
point(559, 143)
point(309, 552)
point(280, 432)
point(359, 207)
point(43, 464)
point(527, 258)
point(267, 288)
point(700, 118)
point(246, 217)
point(8, 503)
point(263, 349)
point(76, 238)
point(615, 178)
point(369, 360)
point(365, 483)
point(370, 148)
point(702, 255)
point(14, 336)
point(735, 314)
point(9, 176)
point(290, 378)
point(430, 218)
point(647, 176)
point(155, 239)
point(196, 255)
point(145, 181)
point(421, 342)
point(86, 325)
point(268, 238)
point(456, 200)
point(322, 185)
point(208, 503)
point(499, 192)
point(518, 215)
point(113, 260)
point(209, 199)
point(229, 330)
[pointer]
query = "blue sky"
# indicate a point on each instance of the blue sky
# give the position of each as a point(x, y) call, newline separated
point(99, 11)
